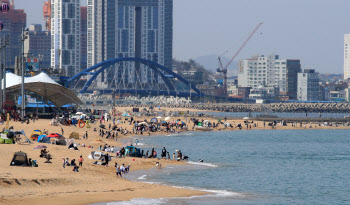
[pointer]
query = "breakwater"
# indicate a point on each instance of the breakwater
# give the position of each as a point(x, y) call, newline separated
point(273, 107)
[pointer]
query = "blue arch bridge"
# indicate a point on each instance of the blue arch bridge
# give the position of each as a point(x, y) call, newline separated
point(134, 76)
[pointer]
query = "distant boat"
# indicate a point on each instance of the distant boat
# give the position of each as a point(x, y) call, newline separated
point(348, 116)
point(202, 128)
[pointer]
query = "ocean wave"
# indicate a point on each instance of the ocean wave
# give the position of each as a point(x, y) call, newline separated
point(214, 193)
point(150, 201)
point(140, 201)
point(203, 164)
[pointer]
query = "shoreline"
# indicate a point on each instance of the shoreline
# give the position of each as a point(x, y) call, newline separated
point(93, 184)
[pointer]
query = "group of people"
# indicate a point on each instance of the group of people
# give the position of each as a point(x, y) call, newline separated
point(73, 164)
point(121, 169)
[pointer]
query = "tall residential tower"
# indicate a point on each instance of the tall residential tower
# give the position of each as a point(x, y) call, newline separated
point(346, 56)
point(65, 36)
point(130, 28)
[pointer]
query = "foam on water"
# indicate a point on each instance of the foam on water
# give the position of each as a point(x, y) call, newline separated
point(203, 164)
point(142, 177)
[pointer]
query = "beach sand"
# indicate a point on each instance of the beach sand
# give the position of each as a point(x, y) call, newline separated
point(53, 184)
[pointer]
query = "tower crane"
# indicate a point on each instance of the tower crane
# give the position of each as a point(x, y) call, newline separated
point(223, 69)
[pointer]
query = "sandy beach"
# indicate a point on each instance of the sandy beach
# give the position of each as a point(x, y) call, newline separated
point(94, 183)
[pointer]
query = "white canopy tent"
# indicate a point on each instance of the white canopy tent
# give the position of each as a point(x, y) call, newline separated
point(44, 86)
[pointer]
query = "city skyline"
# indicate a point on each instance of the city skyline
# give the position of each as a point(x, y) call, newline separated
point(294, 35)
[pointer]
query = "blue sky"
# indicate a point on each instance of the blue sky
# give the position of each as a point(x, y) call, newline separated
point(309, 30)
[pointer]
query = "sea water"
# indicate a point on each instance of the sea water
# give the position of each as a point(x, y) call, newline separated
point(255, 167)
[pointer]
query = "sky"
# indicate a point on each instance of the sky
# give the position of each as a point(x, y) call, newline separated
point(309, 30)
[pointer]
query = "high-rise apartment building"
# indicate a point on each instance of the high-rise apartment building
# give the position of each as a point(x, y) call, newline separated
point(14, 21)
point(270, 71)
point(346, 56)
point(65, 36)
point(308, 85)
point(83, 38)
point(38, 45)
point(130, 28)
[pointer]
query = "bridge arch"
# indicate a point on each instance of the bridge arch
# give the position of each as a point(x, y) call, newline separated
point(162, 71)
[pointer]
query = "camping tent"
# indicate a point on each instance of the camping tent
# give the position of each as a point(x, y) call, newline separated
point(154, 120)
point(35, 134)
point(126, 115)
point(62, 142)
point(43, 139)
point(20, 159)
point(98, 156)
point(133, 151)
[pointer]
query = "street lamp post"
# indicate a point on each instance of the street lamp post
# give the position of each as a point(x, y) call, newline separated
point(5, 43)
point(25, 33)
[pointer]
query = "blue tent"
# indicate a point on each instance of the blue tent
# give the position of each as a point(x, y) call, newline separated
point(154, 120)
point(43, 139)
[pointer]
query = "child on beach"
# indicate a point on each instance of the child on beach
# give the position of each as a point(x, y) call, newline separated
point(80, 160)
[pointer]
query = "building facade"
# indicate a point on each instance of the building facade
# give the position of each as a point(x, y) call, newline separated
point(308, 85)
point(130, 28)
point(270, 71)
point(38, 45)
point(346, 56)
point(65, 36)
point(14, 21)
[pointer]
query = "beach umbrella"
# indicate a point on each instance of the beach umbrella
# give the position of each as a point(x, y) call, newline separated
point(167, 118)
point(181, 123)
point(98, 141)
point(40, 147)
point(159, 117)
point(246, 118)
point(53, 135)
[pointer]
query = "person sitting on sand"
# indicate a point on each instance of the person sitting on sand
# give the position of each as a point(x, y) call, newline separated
point(72, 163)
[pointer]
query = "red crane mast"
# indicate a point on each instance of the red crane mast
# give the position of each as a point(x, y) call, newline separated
point(224, 69)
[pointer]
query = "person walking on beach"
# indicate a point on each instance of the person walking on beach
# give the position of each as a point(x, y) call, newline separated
point(80, 160)
point(164, 153)
point(119, 172)
point(62, 131)
point(86, 135)
point(107, 159)
point(64, 163)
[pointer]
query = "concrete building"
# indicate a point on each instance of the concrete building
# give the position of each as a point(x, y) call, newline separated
point(130, 28)
point(14, 21)
point(264, 93)
point(38, 45)
point(193, 76)
point(308, 85)
point(65, 36)
point(346, 56)
point(270, 71)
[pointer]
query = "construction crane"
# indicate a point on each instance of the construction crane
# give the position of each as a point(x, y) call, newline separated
point(223, 69)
